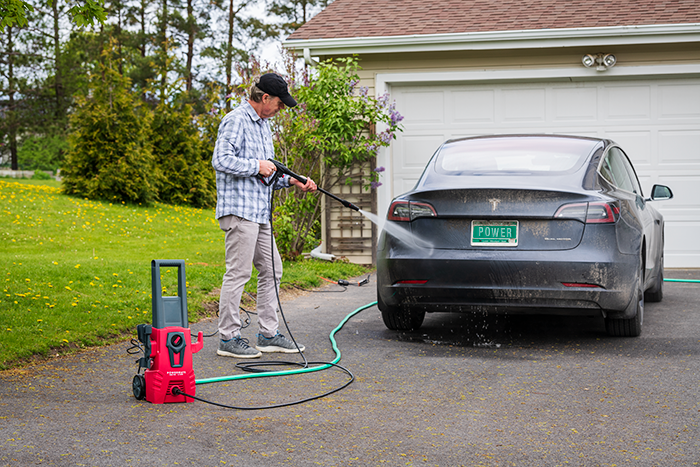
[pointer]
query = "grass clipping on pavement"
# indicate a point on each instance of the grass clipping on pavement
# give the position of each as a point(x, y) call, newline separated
point(77, 272)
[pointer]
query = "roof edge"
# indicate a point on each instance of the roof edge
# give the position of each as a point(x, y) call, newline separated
point(493, 40)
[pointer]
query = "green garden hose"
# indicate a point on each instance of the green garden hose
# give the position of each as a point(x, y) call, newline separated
point(296, 371)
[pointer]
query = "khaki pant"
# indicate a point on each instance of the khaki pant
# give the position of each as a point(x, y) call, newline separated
point(247, 244)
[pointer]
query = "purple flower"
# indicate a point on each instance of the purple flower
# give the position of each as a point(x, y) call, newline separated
point(375, 185)
point(379, 169)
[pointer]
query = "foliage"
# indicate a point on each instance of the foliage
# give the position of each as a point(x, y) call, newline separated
point(77, 272)
point(333, 126)
point(42, 152)
point(183, 173)
point(40, 175)
point(110, 151)
point(83, 14)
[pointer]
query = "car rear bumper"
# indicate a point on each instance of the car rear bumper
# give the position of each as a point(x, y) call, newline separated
point(530, 282)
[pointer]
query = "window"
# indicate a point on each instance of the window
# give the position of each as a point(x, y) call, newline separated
point(615, 169)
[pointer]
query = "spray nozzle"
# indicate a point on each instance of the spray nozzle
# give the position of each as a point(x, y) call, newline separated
point(283, 168)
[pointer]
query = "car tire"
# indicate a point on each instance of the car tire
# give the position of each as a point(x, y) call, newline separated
point(656, 293)
point(400, 319)
point(631, 327)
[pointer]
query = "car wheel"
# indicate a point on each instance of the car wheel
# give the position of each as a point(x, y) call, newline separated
point(631, 327)
point(656, 293)
point(400, 319)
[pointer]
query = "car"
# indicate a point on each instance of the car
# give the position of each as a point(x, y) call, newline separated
point(540, 224)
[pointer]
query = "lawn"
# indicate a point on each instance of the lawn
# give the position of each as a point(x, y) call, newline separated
point(78, 272)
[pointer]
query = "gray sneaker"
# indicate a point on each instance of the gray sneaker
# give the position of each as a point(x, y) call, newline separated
point(237, 347)
point(277, 343)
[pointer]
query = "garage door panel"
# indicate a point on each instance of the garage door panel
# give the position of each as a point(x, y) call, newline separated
point(422, 107)
point(523, 105)
point(416, 150)
point(677, 250)
point(679, 147)
point(577, 104)
point(630, 103)
point(473, 106)
point(679, 101)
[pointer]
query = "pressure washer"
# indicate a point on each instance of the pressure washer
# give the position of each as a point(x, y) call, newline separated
point(167, 344)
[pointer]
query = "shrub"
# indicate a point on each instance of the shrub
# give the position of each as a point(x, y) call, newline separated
point(110, 152)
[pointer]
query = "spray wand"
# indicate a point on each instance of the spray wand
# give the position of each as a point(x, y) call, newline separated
point(283, 169)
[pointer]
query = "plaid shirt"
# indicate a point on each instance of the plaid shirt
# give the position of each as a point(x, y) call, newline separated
point(244, 139)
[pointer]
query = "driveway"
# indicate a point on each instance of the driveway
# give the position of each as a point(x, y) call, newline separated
point(463, 390)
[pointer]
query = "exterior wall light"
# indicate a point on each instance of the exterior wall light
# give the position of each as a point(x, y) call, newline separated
point(601, 61)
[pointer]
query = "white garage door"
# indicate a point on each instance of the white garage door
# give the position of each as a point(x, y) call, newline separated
point(657, 122)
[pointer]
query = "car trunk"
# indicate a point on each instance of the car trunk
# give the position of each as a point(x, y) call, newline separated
point(498, 219)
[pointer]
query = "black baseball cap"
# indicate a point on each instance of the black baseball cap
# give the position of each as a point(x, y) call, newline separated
point(274, 85)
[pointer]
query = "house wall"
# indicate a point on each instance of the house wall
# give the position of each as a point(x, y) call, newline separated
point(634, 62)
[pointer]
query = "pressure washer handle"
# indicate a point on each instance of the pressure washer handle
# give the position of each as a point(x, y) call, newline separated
point(283, 168)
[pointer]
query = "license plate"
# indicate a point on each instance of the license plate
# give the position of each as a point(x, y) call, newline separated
point(494, 233)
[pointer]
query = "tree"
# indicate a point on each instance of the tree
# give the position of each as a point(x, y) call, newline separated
point(295, 13)
point(10, 122)
point(243, 34)
point(334, 125)
point(15, 12)
point(183, 173)
point(110, 150)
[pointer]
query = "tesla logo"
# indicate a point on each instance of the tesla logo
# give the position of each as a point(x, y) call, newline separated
point(494, 203)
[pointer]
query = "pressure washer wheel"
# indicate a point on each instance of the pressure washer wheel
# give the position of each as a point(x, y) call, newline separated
point(139, 387)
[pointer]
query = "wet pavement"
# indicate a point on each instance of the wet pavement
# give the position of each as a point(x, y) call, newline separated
point(463, 390)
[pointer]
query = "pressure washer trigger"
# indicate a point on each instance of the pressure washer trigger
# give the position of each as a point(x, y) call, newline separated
point(363, 281)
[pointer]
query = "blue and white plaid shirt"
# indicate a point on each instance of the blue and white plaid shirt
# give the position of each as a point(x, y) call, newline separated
point(244, 139)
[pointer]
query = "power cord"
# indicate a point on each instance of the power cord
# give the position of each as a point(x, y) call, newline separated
point(257, 368)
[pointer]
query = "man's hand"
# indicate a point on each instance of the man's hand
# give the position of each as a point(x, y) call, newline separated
point(308, 186)
point(266, 168)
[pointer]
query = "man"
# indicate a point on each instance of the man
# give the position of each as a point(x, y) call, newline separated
point(243, 147)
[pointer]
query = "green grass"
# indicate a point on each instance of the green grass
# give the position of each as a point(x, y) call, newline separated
point(77, 272)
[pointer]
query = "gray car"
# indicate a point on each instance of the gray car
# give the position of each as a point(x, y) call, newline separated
point(523, 224)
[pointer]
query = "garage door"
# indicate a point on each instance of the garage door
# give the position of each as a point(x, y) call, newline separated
point(656, 121)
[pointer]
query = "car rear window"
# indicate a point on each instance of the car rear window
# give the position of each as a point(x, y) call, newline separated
point(516, 155)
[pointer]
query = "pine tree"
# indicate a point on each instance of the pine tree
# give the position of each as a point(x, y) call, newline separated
point(110, 154)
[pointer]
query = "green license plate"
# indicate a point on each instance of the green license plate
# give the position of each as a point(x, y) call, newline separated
point(494, 233)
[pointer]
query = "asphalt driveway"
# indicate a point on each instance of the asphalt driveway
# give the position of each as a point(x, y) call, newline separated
point(463, 390)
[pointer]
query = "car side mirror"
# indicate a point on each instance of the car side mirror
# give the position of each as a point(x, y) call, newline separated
point(661, 192)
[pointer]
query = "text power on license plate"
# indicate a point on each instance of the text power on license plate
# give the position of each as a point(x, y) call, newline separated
point(494, 233)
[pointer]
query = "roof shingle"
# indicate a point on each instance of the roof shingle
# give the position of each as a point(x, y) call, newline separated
point(377, 18)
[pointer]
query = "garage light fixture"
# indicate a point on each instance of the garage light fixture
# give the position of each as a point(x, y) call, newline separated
point(601, 61)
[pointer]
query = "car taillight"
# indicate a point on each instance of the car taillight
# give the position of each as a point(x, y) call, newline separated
point(406, 211)
point(602, 213)
point(590, 213)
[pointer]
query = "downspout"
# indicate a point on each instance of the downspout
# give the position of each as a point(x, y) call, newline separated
point(307, 58)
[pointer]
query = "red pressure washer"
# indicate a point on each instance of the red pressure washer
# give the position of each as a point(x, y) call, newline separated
point(167, 344)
